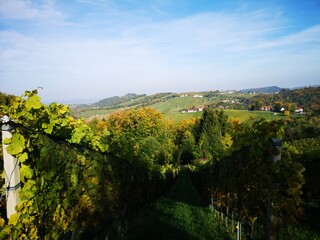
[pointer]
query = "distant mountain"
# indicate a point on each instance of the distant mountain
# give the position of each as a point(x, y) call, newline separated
point(312, 86)
point(271, 89)
point(117, 100)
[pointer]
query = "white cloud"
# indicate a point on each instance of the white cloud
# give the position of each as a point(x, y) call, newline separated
point(16, 9)
point(41, 13)
point(297, 39)
point(213, 50)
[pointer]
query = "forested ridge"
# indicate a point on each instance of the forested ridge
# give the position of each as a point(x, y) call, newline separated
point(79, 177)
point(307, 98)
point(117, 100)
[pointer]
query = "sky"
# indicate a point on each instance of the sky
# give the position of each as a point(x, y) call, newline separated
point(94, 49)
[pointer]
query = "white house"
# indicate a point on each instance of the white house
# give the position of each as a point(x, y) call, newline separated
point(267, 108)
point(192, 110)
point(298, 110)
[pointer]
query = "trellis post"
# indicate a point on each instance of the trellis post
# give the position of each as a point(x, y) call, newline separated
point(11, 170)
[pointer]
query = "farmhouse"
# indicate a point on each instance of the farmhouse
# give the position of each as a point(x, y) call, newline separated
point(266, 108)
point(298, 110)
point(200, 109)
point(194, 109)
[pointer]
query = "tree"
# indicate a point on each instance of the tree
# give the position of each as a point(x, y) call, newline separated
point(291, 107)
point(212, 134)
point(277, 106)
point(258, 105)
point(134, 134)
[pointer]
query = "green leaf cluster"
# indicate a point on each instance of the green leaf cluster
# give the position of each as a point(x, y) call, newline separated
point(68, 183)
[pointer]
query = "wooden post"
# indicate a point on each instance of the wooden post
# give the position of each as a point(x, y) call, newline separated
point(12, 172)
point(227, 216)
point(238, 231)
point(277, 144)
point(232, 221)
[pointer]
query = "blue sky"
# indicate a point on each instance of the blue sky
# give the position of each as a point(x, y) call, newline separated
point(95, 49)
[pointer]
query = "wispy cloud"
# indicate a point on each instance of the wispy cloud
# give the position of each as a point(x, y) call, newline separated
point(40, 12)
point(110, 50)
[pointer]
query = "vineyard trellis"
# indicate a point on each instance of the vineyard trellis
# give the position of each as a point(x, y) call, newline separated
point(249, 177)
point(233, 226)
point(11, 171)
point(69, 183)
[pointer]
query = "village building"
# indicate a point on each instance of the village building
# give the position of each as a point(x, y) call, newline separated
point(266, 108)
point(194, 109)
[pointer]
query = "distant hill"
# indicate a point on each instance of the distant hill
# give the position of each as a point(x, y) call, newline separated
point(174, 103)
point(117, 100)
point(312, 86)
point(271, 89)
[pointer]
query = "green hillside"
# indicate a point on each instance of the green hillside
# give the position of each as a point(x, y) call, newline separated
point(172, 110)
point(245, 115)
point(175, 105)
point(172, 105)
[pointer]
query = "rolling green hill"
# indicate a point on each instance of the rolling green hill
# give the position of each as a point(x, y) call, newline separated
point(175, 105)
point(172, 105)
point(172, 110)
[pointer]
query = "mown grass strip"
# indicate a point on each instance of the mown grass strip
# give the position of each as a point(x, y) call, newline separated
point(179, 215)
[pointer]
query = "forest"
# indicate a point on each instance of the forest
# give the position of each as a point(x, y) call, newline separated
point(307, 98)
point(79, 176)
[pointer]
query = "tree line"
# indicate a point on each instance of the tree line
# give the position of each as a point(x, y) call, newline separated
point(307, 98)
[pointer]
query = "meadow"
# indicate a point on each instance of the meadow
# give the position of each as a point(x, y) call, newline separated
point(172, 109)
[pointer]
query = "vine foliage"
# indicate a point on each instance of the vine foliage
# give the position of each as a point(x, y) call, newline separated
point(243, 182)
point(69, 183)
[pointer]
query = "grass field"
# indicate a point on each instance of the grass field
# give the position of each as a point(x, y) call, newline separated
point(245, 115)
point(171, 110)
point(177, 104)
point(99, 113)
point(176, 116)
point(241, 115)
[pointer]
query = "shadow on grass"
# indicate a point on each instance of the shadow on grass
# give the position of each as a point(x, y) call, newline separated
point(160, 222)
point(184, 191)
point(179, 215)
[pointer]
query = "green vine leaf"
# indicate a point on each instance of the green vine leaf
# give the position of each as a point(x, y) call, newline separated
point(26, 172)
point(17, 144)
point(7, 141)
point(2, 222)
point(23, 157)
point(48, 128)
point(14, 219)
point(33, 102)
